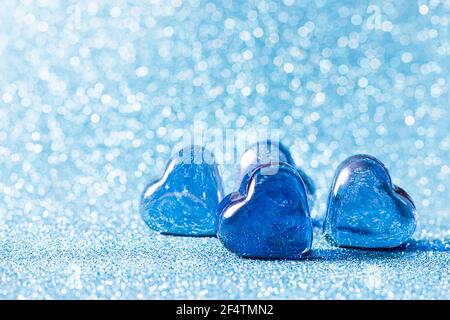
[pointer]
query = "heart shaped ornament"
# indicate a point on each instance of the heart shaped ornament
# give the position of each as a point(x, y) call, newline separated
point(185, 199)
point(268, 151)
point(269, 217)
point(365, 210)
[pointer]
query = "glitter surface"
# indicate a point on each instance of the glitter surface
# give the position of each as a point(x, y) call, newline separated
point(94, 94)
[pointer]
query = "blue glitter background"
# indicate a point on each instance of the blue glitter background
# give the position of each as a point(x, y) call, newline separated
point(94, 95)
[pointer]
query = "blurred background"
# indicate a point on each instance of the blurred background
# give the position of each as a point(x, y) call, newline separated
point(94, 95)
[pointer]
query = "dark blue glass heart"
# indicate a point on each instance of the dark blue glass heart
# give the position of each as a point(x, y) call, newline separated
point(365, 210)
point(184, 200)
point(269, 216)
point(269, 151)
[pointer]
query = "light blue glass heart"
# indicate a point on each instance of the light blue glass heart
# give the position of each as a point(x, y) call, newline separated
point(269, 217)
point(185, 199)
point(365, 210)
point(268, 151)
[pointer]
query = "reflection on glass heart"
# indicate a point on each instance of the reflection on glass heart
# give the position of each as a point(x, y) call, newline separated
point(269, 216)
point(184, 200)
point(267, 152)
point(365, 210)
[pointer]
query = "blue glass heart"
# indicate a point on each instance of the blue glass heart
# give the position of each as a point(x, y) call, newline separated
point(365, 210)
point(269, 216)
point(185, 199)
point(268, 151)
